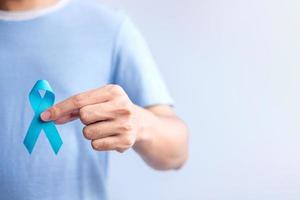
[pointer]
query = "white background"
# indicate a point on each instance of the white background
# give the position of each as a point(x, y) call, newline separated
point(233, 68)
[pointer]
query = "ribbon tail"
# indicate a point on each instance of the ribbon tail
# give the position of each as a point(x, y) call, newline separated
point(53, 136)
point(32, 135)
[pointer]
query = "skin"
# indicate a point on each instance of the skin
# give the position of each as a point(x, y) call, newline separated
point(113, 122)
point(23, 5)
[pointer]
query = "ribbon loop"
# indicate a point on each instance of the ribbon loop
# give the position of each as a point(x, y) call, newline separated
point(39, 104)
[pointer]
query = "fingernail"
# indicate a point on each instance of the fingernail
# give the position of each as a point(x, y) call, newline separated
point(45, 116)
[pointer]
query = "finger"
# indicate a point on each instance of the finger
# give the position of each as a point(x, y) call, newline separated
point(100, 130)
point(65, 119)
point(106, 144)
point(68, 118)
point(74, 103)
point(97, 112)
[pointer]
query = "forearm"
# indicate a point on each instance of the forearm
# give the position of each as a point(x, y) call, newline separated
point(162, 140)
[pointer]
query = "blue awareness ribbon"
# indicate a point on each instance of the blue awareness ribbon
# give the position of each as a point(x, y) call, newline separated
point(39, 104)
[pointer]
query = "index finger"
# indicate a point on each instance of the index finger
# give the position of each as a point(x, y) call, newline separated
point(74, 103)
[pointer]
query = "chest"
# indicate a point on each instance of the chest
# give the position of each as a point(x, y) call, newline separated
point(72, 62)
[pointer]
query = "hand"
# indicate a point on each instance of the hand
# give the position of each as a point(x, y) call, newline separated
point(110, 118)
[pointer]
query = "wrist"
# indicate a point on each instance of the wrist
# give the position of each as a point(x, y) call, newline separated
point(143, 136)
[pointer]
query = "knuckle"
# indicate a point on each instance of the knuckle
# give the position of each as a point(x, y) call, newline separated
point(114, 89)
point(124, 107)
point(54, 112)
point(104, 144)
point(127, 124)
point(128, 141)
point(125, 103)
point(77, 100)
point(101, 145)
point(84, 115)
point(123, 112)
point(127, 127)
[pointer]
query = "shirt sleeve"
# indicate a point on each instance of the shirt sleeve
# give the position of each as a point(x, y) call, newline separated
point(135, 69)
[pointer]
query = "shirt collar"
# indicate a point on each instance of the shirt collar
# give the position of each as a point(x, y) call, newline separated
point(31, 14)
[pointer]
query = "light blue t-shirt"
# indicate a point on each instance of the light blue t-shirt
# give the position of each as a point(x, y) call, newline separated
point(78, 47)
